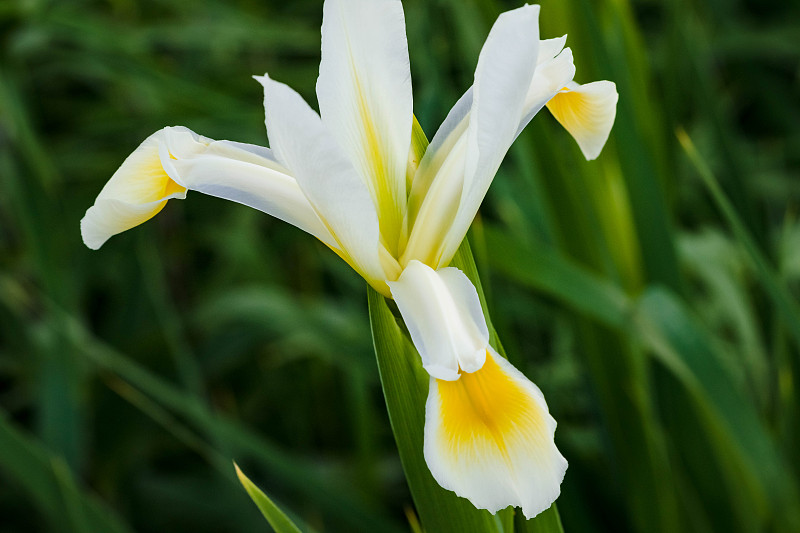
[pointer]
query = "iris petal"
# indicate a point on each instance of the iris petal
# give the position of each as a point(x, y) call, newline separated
point(489, 438)
point(587, 112)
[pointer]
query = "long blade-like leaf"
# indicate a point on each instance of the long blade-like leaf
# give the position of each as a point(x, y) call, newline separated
point(51, 485)
point(276, 518)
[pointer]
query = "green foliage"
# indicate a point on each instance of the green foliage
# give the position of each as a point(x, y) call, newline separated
point(651, 294)
point(276, 518)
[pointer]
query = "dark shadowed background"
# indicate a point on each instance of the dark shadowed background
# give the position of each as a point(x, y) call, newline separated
point(657, 312)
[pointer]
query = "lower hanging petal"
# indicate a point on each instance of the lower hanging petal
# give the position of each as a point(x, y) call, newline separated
point(587, 112)
point(489, 438)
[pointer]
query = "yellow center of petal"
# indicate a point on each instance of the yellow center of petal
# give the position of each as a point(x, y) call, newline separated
point(571, 109)
point(486, 405)
point(172, 187)
point(380, 183)
point(144, 180)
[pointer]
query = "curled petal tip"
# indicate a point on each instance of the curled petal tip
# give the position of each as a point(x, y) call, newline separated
point(141, 186)
point(262, 79)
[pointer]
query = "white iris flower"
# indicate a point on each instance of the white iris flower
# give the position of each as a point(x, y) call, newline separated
point(350, 177)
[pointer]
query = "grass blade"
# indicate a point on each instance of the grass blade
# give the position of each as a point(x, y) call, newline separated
point(51, 485)
point(276, 518)
point(776, 290)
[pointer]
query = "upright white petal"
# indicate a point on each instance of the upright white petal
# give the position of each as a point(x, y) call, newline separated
point(550, 48)
point(447, 136)
point(455, 125)
point(364, 93)
point(140, 188)
point(587, 112)
point(551, 76)
point(250, 175)
point(489, 438)
point(502, 79)
point(443, 314)
point(302, 144)
point(496, 102)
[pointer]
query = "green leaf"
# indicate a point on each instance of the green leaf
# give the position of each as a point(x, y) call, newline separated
point(773, 285)
point(550, 272)
point(547, 522)
point(51, 485)
point(334, 498)
point(678, 342)
point(276, 518)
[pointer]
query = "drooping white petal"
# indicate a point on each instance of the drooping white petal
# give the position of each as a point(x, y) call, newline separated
point(364, 93)
point(443, 314)
point(174, 160)
point(139, 189)
point(250, 175)
point(302, 144)
point(587, 112)
point(496, 102)
point(489, 438)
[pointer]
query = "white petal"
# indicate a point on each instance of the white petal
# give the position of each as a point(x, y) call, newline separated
point(429, 174)
point(502, 78)
point(364, 93)
point(302, 144)
point(455, 125)
point(587, 112)
point(550, 48)
point(489, 438)
point(139, 189)
point(468, 307)
point(434, 220)
point(551, 76)
point(250, 175)
point(443, 315)
point(497, 100)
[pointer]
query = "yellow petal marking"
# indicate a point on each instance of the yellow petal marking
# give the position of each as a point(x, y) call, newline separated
point(156, 184)
point(172, 186)
point(572, 110)
point(486, 406)
point(587, 112)
point(380, 182)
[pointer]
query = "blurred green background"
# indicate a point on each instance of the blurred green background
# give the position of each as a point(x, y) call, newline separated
point(651, 294)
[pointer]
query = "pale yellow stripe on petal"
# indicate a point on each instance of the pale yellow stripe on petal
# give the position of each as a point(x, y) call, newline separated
point(136, 192)
point(390, 207)
point(489, 438)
